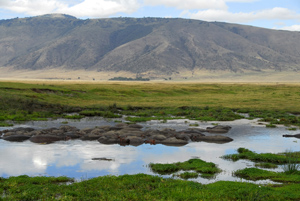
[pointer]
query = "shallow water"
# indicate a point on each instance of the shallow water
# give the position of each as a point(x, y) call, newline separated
point(74, 158)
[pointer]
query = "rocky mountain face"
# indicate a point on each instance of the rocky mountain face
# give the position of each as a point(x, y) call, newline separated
point(144, 45)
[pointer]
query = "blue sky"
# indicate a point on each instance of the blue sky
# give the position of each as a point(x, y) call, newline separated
point(273, 14)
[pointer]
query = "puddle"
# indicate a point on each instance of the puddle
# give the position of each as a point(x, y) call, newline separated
point(74, 158)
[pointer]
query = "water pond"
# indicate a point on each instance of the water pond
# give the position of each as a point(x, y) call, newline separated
point(73, 158)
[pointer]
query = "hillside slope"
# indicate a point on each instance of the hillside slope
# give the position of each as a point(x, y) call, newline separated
point(146, 46)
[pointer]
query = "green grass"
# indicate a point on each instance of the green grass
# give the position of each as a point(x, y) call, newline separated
point(18, 108)
point(187, 175)
point(139, 187)
point(271, 126)
point(196, 165)
point(164, 168)
point(5, 124)
point(259, 174)
point(161, 95)
point(274, 117)
point(266, 165)
point(146, 101)
point(141, 114)
point(280, 158)
point(292, 166)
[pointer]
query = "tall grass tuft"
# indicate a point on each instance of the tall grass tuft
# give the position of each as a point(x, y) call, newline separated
point(292, 166)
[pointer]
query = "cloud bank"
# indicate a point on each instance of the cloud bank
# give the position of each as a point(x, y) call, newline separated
point(86, 8)
point(224, 15)
point(189, 4)
point(212, 10)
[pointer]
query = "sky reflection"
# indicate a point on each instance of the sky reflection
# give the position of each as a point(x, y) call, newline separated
point(74, 158)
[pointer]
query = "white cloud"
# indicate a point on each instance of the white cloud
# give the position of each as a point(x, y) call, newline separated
point(101, 8)
point(34, 159)
point(224, 15)
point(32, 7)
point(4, 3)
point(241, 1)
point(212, 10)
point(86, 8)
point(290, 28)
point(189, 4)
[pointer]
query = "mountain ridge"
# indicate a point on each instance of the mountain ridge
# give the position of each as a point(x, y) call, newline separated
point(145, 46)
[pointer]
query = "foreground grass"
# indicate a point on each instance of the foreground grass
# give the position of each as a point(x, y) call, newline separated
point(140, 187)
point(147, 101)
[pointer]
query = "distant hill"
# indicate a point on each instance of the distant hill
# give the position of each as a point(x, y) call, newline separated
point(144, 46)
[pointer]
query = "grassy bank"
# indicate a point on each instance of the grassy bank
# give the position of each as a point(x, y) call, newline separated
point(139, 187)
point(146, 101)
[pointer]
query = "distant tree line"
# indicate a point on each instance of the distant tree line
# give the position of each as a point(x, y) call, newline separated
point(130, 79)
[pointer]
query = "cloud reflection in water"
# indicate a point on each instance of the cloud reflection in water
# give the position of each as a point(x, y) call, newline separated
point(74, 158)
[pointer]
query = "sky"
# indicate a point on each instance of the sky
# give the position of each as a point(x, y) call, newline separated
point(272, 14)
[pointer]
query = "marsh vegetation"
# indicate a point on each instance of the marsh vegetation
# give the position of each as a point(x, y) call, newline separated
point(197, 165)
point(147, 187)
point(148, 101)
point(155, 101)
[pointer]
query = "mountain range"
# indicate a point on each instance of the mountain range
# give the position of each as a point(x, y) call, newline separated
point(151, 47)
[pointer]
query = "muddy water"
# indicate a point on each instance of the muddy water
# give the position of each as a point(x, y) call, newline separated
point(74, 158)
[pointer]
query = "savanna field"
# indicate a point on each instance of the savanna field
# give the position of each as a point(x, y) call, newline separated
point(272, 96)
point(40, 100)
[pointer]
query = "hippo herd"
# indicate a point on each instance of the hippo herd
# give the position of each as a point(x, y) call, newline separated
point(123, 134)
